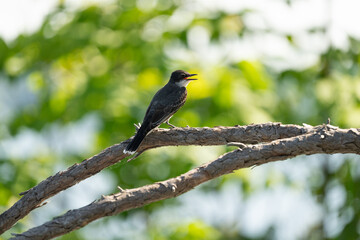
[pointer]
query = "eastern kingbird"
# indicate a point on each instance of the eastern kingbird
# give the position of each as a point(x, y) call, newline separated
point(164, 104)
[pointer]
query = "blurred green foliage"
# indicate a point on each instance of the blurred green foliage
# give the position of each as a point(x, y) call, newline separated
point(110, 60)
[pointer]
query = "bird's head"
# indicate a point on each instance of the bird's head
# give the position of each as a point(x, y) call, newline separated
point(181, 78)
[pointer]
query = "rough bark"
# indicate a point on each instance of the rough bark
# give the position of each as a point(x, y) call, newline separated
point(62, 180)
point(291, 141)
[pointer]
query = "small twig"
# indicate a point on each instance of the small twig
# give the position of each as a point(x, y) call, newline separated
point(137, 126)
point(24, 192)
point(41, 204)
point(236, 144)
point(120, 189)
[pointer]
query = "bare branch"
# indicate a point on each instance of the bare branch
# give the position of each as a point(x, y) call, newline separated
point(33, 197)
point(327, 139)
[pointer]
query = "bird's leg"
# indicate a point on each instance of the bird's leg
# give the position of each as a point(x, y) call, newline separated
point(167, 122)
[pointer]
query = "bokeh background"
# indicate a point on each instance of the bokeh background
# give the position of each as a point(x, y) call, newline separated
point(76, 75)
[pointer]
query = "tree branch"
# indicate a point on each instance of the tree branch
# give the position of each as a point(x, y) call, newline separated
point(160, 137)
point(325, 139)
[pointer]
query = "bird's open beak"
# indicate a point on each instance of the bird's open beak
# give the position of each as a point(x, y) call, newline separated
point(191, 79)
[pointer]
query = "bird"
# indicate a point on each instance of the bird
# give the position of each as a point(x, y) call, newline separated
point(167, 101)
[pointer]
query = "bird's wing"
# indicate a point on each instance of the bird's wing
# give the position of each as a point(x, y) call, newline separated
point(160, 111)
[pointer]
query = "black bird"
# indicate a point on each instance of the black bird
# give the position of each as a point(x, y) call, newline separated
point(167, 101)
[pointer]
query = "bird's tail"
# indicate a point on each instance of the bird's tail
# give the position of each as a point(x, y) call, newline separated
point(137, 140)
